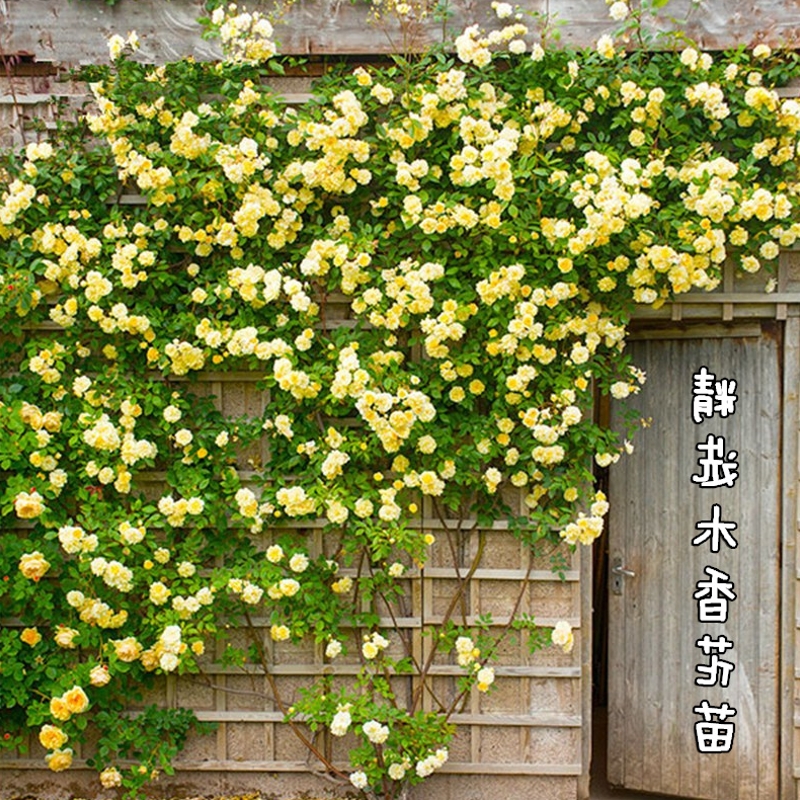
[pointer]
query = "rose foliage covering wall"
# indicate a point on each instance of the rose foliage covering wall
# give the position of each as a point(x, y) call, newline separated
point(487, 218)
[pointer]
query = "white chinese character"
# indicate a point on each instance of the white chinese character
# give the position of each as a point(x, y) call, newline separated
point(703, 394)
point(711, 396)
point(720, 644)
point(718, 469)
point(717, 671)
point(713, 596)
point(714, 737)
point(715, 529)
point(725, 397)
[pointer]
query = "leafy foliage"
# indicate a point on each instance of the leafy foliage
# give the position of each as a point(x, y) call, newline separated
point(431, 267)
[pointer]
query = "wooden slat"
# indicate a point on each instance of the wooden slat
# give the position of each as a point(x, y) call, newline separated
point(231, 766)
point(37, 98)
point(587, 660)
point(353, 669)
point(501, 574)
point(738, 298)
point(539, 720)
point(765, 309)
point(789, 725)
point(70, 32)
point(751, 330)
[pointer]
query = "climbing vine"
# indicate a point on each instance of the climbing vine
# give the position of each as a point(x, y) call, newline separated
point(430, 267)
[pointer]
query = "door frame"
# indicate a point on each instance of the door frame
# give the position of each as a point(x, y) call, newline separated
point(789, 528)
point(790, 534)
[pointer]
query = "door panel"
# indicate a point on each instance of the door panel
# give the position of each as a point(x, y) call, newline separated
point(653, 622)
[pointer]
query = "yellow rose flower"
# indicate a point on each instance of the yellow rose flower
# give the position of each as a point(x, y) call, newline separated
point(59, 760)
point(52, 737)
point(636, 138)
point(279, 633)
point(29, 505)
point(99, 676)
point(457, 394)
point(110, 777)
point(127, 649)
point(369, 650)
point(562, 636)
point(343, 585)
point(485, 678)
point(58, 708)
point(31, 636)
point(477, 387)
point(33, 565)
point(76, 700)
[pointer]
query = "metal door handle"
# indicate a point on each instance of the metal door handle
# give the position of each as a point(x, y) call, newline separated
point(618, 572)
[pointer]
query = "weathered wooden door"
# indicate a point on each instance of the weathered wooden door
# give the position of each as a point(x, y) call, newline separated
point(656, 626)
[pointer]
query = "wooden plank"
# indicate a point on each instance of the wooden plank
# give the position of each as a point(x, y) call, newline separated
point(499, 620)
point(56, 30)
point(675, 648)
point(539, 720)
point(766, 418)
point(587, 656)
point(741, 311)
point(737, 298)
point(225, 765)
point(76, 33)
point(38, 98)
point(696, 331)
point(570, 576)
point(789, 726)
point(220, 705)
point(451, 767)
point(474, 591)
point(353, 669)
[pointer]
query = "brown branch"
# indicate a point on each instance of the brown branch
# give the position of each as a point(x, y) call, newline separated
point(295, 728)
point(456, 558)
point(448, 614)
point(524, 584)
